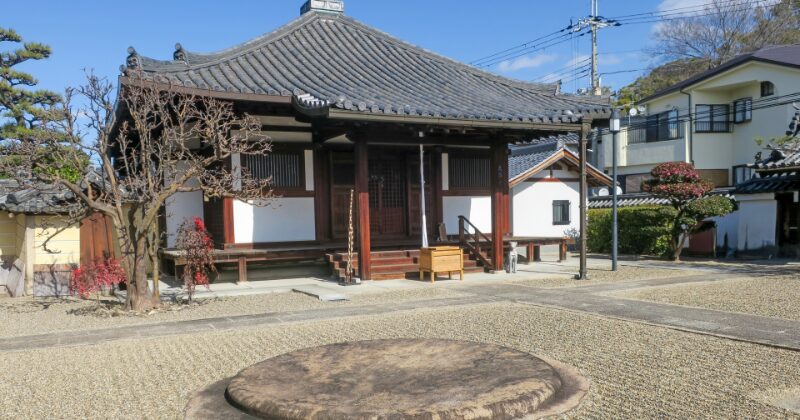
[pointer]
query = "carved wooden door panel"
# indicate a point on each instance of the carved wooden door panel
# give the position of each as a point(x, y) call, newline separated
point(388, 197)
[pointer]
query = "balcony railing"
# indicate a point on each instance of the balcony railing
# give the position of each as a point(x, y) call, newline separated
point(713, 127)
point(656, 132)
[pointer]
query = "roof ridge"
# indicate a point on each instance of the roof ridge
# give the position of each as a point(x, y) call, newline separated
point(234, 51)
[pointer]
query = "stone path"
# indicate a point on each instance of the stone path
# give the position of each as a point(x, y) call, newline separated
point(586, 299)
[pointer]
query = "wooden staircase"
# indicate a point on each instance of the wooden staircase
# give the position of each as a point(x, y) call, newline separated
point(389, 265)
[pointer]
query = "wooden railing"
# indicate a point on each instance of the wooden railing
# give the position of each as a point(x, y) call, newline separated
point(472, 242)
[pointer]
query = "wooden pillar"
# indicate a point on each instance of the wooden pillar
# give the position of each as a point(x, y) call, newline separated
point(242, 270)
point(227, 222)
point(322, 195)
point(499, 174)
point(362, 206)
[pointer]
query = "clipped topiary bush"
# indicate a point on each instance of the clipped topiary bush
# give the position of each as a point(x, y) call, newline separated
point(642, 230)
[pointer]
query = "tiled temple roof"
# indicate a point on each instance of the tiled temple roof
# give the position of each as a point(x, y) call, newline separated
point(326, 60)
point(40, 200)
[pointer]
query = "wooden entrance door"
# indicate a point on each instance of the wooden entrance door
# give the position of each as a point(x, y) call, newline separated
point(388, 195)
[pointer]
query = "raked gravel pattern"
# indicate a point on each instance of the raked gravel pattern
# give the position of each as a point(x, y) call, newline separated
point(31, 316)
point(636, 371)
point(599, 276)
point(777, 297)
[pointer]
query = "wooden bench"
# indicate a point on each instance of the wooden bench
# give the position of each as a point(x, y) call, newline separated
point(241, 257)
point(533, 246)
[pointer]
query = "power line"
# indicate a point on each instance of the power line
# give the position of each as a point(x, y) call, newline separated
point(524, 45)
point(565, 71)
point(693, 8)
point(708, 11)
point(622, 71)
point(531, 49)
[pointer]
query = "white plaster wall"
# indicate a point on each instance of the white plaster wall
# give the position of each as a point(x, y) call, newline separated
point(656, 152)
point(532, 208)
point(180, 207)
point(728, 225)
point(283, 220)
point(757, 221)
point(477, 210)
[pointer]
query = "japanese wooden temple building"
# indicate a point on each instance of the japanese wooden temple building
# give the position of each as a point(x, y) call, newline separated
point(347, 107)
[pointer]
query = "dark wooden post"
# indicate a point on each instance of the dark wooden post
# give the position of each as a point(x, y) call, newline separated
point(499, 173)
point(362, 205)
point(227, 222)
point(322, 196)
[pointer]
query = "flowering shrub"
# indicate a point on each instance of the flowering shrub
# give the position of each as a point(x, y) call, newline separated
point(677, 182)
point(688, 193)
point(93, 277)
point(198, 246)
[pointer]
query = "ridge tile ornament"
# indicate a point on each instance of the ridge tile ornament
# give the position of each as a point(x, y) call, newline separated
point(397, 379)
point(329, 6)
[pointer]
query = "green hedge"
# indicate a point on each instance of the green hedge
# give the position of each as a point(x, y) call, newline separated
point(642, 230)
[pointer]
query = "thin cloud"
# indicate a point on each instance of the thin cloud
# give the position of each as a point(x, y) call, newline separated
point(526, 62)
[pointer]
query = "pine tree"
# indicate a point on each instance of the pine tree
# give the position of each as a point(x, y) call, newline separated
point(24, 113)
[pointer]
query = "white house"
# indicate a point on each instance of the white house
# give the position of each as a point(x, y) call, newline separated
point(713, 120)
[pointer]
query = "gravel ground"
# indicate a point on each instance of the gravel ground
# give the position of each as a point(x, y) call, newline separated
point(776, 297)
point(598, 276)
point(636, 371)
point(29, 316)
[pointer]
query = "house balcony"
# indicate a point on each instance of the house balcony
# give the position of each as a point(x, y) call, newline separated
point(641, 145)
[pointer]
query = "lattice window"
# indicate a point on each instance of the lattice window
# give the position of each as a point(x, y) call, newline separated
point(284, 168)
point(470, 172)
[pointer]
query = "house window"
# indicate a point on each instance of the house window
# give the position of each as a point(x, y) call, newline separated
point(633, 183)
point(284, 168)
point(767, 89)
point(470, 172)
point(743, 110)
point(742, 173)
point(664, 126)
point(712, 119)
point(561, 212)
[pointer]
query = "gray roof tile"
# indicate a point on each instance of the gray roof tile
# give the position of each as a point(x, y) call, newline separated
point(345, 64)
point(40, 200)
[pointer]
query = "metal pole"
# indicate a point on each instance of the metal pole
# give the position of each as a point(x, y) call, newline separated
point(583, 196)
point(614, 225)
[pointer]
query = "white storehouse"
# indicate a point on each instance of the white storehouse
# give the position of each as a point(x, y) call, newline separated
point(545, 188)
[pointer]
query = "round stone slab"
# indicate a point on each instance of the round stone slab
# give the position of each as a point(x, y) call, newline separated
point(408, 378)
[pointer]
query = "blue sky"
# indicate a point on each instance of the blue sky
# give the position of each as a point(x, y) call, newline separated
point(93, 34)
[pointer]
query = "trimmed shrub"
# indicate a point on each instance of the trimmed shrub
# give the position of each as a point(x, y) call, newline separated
point(642, 230)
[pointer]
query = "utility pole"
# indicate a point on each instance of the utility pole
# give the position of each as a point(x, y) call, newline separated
point(596, 91)
point(594, 22)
